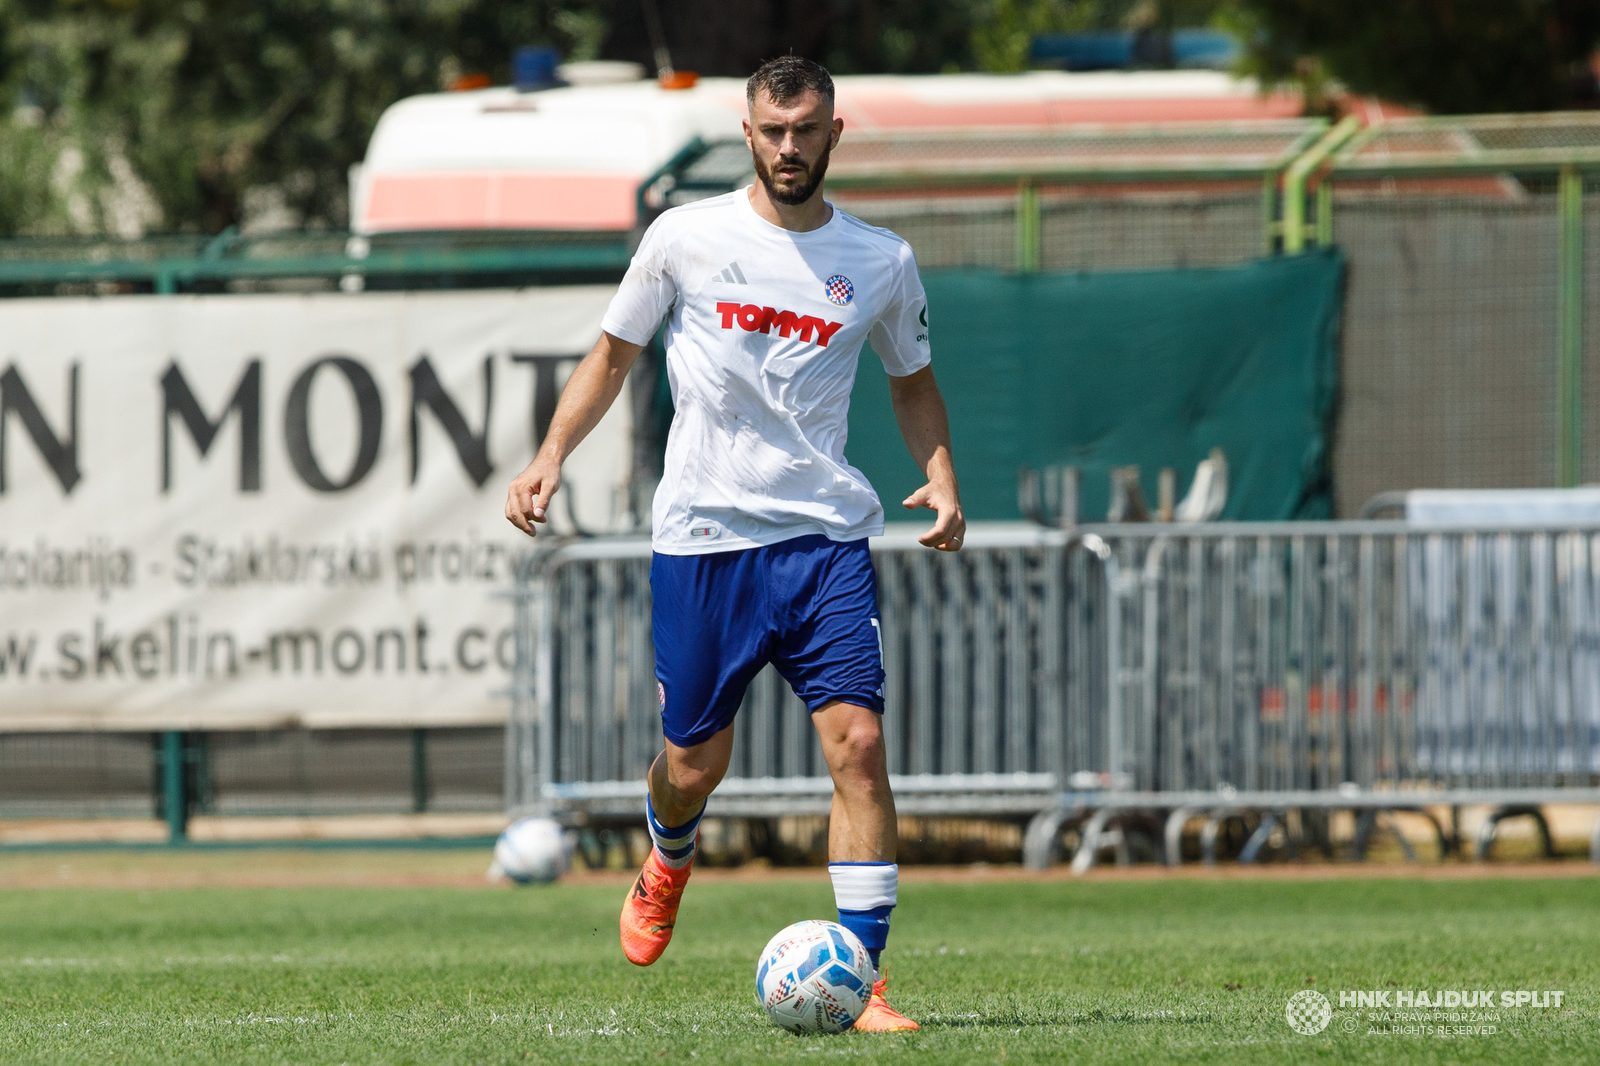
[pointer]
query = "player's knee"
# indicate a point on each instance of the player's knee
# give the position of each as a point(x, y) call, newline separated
point(694, 783)
point(859, 751)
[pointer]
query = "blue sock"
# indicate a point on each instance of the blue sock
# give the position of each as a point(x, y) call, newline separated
point(871, 927)
point(865, 893)
point(675, 843)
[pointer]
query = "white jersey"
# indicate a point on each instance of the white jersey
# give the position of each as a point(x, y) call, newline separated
point(764, 330)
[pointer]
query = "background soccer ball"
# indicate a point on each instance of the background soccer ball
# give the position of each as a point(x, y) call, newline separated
point(814, 977)
point(530, 850)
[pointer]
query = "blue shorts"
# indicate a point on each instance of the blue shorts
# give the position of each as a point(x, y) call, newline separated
point(808, 606)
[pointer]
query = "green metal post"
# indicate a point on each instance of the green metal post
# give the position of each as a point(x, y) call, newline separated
point(1294, 212)
point(419, 770)
point(1569, 328)
point(1269, 212)
point(1294, 182)
point(1029, 226)
point(166, 283)
point(1325, 212)
point(173, 793)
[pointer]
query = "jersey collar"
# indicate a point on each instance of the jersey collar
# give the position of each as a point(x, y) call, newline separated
point(741, 201)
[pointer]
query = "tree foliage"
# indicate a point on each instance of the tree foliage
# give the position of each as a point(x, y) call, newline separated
point(195, 103)
point(1446, 56)
point(123, 115)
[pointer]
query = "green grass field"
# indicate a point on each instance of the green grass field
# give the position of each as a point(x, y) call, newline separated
point(1000, 970)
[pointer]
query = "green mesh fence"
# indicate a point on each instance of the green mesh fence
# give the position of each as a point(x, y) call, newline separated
point(1150, 232)
point(77, 775)
point(1448, 363)
point(1448, 373)
point(1078, 233)
point(975, 231)
point(265, 772)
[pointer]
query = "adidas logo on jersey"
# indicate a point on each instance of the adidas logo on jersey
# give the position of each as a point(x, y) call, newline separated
point(755, 319)
point(731, 274)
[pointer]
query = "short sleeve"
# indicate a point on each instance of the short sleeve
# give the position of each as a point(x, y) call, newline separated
point(900, 336)
point(646, 292)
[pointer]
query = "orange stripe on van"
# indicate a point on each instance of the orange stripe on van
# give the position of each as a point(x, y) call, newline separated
point(456, 199)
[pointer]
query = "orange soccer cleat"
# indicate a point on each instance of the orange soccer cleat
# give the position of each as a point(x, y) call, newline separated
point(879, 1017)
point(651, 909)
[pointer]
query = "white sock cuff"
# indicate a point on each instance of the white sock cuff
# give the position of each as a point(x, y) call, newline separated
point(862, 886)
point(673, 839)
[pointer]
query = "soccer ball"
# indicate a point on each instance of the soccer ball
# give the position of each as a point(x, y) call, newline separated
point(530, 850)
point(814, 977)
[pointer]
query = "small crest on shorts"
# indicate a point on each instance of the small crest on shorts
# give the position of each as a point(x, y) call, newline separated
point(840, 290)
point(661, 695)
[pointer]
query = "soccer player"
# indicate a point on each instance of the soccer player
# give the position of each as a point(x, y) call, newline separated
point(760, 527)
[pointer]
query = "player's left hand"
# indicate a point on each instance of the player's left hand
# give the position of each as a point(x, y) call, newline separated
point(950, 529)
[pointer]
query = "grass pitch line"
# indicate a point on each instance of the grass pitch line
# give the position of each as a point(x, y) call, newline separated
point(292, 868)
point(1019, 970)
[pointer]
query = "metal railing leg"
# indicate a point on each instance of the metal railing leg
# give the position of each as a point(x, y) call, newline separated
point(1258, 839)
point(1364, 825)
point(1039, 841)
point(1208, 836)
point(1173, 834)
point(1368, 824)
point(1089, 846)
point(1491, 824)
point(1438, 830)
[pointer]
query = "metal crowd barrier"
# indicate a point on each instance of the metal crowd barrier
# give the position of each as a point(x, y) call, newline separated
point(1367, 666)
point(1311, 656)
point(976, 710)
point(1126, 673)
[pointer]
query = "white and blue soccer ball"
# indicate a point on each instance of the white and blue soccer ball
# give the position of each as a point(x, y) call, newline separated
point(814, 977)
point(531, 850)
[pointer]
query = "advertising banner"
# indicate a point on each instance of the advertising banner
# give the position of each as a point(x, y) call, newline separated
point(251, 511)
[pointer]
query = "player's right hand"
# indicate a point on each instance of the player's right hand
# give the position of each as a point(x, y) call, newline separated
point(528, 498)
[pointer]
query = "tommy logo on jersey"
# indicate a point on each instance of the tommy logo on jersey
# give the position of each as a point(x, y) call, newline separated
point(839, 289)
point(756, 319)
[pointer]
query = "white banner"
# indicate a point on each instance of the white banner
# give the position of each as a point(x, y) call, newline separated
point(253, 511)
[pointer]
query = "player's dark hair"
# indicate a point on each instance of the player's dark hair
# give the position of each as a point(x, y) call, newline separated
point(787, 77)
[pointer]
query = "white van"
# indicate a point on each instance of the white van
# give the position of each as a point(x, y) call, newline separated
point(576, 157)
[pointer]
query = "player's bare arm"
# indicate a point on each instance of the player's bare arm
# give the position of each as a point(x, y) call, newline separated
point(590, 392)
point(919, 408)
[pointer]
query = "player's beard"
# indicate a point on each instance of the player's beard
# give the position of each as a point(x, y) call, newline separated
point(795, 194)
